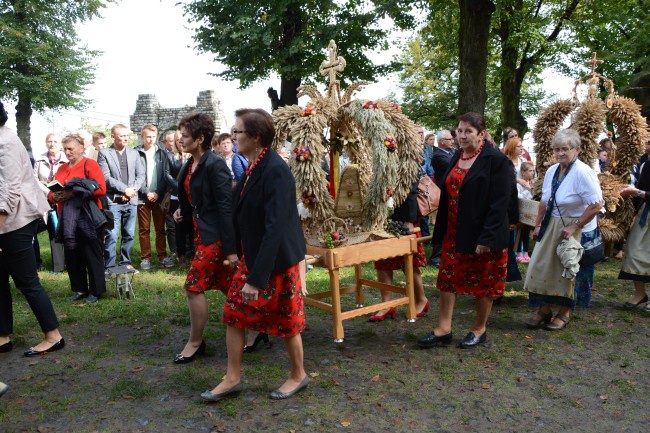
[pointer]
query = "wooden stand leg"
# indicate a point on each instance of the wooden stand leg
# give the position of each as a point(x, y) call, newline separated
point(410, 289)
point(336, 305)
point(358, 274)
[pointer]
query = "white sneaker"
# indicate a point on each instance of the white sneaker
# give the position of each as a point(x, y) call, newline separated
point(167, 262)
point(145, 264)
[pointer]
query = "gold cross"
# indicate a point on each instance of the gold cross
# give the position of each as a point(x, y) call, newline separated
point(593, 62)
point(334, 65)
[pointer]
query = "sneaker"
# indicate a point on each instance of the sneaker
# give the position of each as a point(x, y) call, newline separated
point(520, 258)
point(145, 264)
point(525, 259)
point(167, 262)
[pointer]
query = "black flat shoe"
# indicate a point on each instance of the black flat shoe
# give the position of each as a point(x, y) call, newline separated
point(76, 296)
point(209, 396)
point(431, 340)
point(92, 299)
point(472, 340)
point(279, 395)
point(631, 306)
point(180, 359)
point(7, 347)
point(262, 336)
point(56, 346)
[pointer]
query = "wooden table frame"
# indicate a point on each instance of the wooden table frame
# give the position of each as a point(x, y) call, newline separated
point(355, 255)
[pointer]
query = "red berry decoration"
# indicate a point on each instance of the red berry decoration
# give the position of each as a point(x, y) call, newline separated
point(390, 143)
point(370, 104)
point(308, 111)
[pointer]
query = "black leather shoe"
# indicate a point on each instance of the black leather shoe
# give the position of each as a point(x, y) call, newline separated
point(76, 296)
point(262, 336)
point(91, 299)
point(208, 396)
point(432, 339)
point(7, 347)
point(56, 346)
point(180, 359)
point(472, 340)
point(279, 395)
point(631, 306)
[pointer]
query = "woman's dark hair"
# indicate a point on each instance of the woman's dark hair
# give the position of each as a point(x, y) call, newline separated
point(257, 123)
point(198, 124)
point(476, 120)
point(3, 114)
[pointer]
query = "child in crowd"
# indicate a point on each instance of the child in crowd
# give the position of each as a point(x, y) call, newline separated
point(525, 190)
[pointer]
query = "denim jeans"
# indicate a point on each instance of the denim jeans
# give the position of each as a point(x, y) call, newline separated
point(125, 216)
point(17, 259)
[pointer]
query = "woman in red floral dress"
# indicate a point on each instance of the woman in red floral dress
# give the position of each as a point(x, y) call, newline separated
point(472, 224)
point(266, 292)
point(205, 187)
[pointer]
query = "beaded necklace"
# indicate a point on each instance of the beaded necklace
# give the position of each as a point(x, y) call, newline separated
point(465, 158)
point(251, 167)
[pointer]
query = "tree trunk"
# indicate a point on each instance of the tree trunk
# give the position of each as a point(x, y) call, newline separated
point(23, 120)
point(512, 78)
point(475, 16)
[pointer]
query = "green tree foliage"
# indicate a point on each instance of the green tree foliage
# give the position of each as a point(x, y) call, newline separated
point(42, 65)
point(527, 37)
point(257, 37)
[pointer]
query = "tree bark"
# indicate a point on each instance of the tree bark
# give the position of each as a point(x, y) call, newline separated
point(475, 16)
point(288, 82)
point(512, 78)
point(23, 120)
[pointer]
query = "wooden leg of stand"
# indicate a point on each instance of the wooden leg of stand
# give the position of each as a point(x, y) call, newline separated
point(358, 274)
point(336, 305)
point(410, 289)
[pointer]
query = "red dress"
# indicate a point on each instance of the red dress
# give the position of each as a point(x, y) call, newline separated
point(207, 271)
point(468, 273)
point(279, 309)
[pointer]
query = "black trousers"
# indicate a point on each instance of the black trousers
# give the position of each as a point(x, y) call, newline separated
point(85, 265)
point(184, 234)
point(17, 259)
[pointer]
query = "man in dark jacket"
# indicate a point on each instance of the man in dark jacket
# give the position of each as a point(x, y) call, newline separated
point(150, 195)
point(440, 158)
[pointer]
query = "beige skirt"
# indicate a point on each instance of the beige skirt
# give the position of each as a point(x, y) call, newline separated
point(637, 248)
point(544, 275)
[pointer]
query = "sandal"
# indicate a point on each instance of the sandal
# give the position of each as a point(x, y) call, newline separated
point(538, 323)
point(552, 327)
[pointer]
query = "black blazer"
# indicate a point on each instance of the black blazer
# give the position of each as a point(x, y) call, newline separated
point(162, 165)
point(267, 225)
point(440, 161)
point(483, 203)
point(211, 191)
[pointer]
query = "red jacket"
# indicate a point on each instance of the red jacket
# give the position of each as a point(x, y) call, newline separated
point(85, 168)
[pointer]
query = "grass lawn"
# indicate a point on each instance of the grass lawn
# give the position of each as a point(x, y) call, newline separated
point(116, 374)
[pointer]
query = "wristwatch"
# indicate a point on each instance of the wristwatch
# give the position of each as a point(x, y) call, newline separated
point(577, 222)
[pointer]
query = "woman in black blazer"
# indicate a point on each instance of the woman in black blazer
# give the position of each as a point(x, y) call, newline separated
point(472, 225)
point(204, 185)
point(266, 293)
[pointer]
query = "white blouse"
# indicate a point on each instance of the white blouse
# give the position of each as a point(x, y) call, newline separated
point(577, 191)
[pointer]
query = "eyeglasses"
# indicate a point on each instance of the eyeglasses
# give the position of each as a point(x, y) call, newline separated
point(562, 149)
point(235, 131)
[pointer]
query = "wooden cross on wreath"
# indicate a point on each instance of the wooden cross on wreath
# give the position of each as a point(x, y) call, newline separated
point(594, 62)
point(331, 67)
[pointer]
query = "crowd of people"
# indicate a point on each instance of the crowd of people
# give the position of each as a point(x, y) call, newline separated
point(227, 204)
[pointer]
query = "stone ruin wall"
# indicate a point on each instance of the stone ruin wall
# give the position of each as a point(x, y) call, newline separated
point(149, 110)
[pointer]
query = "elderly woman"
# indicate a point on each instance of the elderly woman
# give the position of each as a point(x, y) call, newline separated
point(204, 186)
point(571, 198)
point(265, 295)
point(473, 226)
point(45, 169)
point(636, 262)
point(21, 206)
point(83, 239)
